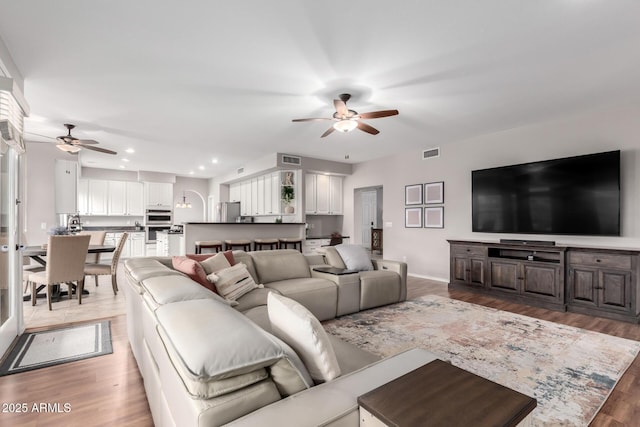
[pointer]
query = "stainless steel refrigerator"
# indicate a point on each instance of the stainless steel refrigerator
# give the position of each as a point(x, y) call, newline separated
point(229, 211)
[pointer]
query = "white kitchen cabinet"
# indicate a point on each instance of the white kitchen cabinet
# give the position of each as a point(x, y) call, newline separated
point(66, 186)
point(98, 197)
point(323, 194)
point(135, 199)
point(234, 192)
point(162, 244)
point(255, 209)
point(275, 194)
point(83, 196)
point(260, 196)
point(117, 198)
point(158, 194)
point(245, 198)
point(136, 244)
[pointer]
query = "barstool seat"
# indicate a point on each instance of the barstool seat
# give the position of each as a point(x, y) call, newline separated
point(239, 243)
point(284, 243)
point(260, 243)
point(208, 244)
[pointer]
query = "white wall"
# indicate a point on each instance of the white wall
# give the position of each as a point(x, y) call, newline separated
point(427, 250)
point(197, 213)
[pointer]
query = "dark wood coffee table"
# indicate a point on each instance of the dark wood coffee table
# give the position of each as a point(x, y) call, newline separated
point(440, 394)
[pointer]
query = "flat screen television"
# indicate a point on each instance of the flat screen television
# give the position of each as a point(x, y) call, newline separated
point(572, 196)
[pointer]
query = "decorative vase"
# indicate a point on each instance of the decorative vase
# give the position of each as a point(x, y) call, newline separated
point(289, 209)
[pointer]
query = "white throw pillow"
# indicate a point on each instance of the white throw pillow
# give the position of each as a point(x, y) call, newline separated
point(354, 257)
point(215, 263)
point(233, 282)
point(295, 325)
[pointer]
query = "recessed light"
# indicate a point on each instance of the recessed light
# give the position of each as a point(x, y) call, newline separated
point(125, 160)
point(214, 160)
point(130, 150)
point(190, 172)
point(201, 167)
point(121, 166)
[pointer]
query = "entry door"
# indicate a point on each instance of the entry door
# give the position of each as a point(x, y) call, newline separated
point(369, 217)
point(10, 286)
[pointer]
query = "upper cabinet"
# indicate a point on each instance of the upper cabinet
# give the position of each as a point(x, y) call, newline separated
point(66, 186)
point(323, 195)
point(258, 196)
point(158, 194)
point(103, 197)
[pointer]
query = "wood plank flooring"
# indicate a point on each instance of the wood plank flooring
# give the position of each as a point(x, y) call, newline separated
point(108, 390)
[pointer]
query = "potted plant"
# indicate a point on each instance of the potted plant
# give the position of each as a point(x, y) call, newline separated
point(288, 194)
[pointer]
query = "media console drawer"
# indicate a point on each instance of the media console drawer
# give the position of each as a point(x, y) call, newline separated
point(600, 259)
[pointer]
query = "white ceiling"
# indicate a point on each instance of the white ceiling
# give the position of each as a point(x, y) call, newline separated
point(183, 82)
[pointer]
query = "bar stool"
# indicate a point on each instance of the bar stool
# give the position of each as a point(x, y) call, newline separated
point(243, 243)
point(208, 244)
point(260, 243)
point(286, 241)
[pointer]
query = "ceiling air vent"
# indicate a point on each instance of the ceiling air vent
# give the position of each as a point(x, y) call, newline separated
point(240, 170)
point(291, 160)
point(430, 153)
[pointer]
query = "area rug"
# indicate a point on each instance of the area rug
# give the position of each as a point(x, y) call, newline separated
point(570, 371)
point(56, 346)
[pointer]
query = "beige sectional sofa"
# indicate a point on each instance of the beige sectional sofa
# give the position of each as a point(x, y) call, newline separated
point(207, 363)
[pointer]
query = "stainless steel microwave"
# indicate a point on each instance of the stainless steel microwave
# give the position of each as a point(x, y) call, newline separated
point(158, 216)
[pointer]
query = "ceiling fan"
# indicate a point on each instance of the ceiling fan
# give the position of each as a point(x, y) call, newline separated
point(72, 145)
point(347, 120)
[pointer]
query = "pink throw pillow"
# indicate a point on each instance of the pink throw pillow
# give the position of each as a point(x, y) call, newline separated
point(193, 269)
point(201, 257)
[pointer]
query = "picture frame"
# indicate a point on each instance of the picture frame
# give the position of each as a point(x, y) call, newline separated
point(434, 217)
point(434, 193)
point(413, 194)
point(413, 217)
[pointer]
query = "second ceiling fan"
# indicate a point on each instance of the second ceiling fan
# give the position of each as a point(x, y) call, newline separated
point(347, 120)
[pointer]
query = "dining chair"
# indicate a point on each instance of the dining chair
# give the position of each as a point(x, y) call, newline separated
point(27, 267)
point(108, 269)
point(97, 238)
point(66, 257)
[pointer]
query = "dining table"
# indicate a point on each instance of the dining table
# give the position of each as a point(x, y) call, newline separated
point(37, 253)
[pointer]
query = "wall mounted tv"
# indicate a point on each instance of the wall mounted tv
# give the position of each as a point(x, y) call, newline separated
point(573, 196)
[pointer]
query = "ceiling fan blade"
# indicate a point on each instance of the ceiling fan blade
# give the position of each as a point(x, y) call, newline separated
point(327, 132)
point(366, 128)
point(311, 119)
point(341, 107)
point(379, 114)
point(102, 150)
point(85, 142)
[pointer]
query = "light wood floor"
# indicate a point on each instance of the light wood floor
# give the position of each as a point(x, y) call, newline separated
point(108, 390)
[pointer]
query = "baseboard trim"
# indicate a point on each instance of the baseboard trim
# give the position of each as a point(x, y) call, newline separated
point(435, 279)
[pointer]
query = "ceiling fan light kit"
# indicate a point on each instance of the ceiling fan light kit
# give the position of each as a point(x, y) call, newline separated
point(347, 120)
point(68, 148)
point(73, 145)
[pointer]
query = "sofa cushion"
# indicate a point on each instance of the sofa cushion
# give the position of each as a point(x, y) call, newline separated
point(355, 257)
point(332, 256)
point(233, 282)
point(295, 325)
point(163, 290)
point(206, 353)
point(255, 298)
point(379, 287)
point(215, 263)
point(193, 269)
point(320, 296)
point(245, 258)
point(282, 264)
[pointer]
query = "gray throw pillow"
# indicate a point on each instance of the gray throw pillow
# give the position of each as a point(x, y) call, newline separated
point(355, 257)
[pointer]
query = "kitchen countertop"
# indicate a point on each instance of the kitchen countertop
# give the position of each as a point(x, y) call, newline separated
point(244, 223)
point(113, 229)
point(323, 237)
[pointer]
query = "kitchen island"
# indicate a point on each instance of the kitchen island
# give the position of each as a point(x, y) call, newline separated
point(194, 231)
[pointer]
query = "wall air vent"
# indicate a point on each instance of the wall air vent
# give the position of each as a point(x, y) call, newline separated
point(430, 153)
point(291, 160)
point(240, 170)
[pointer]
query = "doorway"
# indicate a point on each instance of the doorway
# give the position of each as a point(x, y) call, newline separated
point(368, 213)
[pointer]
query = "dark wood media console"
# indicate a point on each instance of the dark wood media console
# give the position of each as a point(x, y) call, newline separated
point(594, 281)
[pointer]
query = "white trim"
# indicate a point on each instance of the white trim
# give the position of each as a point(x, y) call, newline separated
point(435, 279)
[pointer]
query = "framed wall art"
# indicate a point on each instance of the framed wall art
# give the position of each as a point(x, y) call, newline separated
point(434, 217)
point(413, 217)
point(413, 194)
point(434, 193)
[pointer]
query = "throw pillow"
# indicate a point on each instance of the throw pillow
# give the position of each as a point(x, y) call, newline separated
point(298, 327)
point(215, 263)
point(202, 257)
point(193, 269)
point(355, 257)
point(233, 282)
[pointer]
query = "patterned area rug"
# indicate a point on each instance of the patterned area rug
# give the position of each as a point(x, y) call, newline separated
point(37, 350)
point(570, 371)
